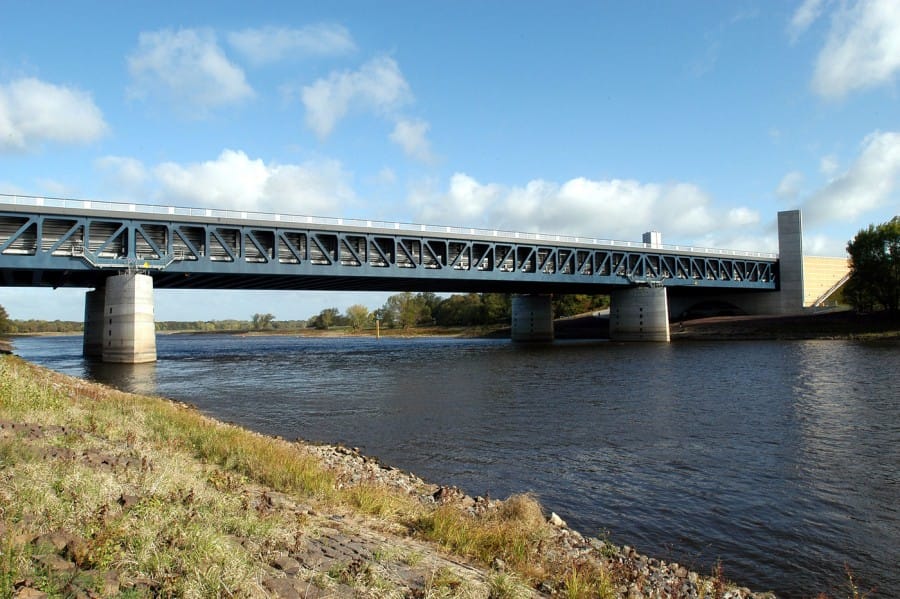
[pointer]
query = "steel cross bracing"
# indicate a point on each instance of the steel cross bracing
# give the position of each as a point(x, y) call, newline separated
point(77, 247)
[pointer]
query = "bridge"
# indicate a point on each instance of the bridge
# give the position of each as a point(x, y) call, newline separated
point(124, 251)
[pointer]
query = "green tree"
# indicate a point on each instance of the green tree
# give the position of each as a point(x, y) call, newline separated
point(260, 322)
point(497, 307)
point(460, 310)
point(875, 268)
point(358, 316)
point(5, 323)
point(325, 320)
point(577, 303)
point(405, 310)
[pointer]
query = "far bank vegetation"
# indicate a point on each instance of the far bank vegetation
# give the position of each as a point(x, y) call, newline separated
point(404, 312)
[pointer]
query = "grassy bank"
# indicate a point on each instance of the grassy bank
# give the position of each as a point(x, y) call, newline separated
point(104, 493)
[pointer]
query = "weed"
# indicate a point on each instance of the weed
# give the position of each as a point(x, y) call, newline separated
point(853, 586)
point(511, 533)
point(583, 581)
point(505, 586)
point(718, 580)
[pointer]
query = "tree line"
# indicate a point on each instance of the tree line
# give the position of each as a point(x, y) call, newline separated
point(874, 282)
point(406, 310)
point(400, 311)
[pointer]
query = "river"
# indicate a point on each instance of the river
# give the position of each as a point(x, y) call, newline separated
point(781, 459)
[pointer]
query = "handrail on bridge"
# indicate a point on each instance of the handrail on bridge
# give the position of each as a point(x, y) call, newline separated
point(153, 209)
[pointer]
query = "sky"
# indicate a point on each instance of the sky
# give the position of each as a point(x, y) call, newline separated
point(697, 119)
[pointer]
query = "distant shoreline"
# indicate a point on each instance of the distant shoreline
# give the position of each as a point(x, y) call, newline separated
point(821, 325)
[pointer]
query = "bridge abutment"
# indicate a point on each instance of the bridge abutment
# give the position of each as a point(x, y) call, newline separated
point(118, 322)
point(532, 318)
point(639, 314)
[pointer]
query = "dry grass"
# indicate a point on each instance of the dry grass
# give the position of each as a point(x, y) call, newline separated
point(512, 533)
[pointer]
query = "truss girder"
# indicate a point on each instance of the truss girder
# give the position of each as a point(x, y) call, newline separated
point(51, 242)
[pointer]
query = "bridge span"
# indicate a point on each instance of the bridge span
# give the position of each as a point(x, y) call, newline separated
point(124, 251)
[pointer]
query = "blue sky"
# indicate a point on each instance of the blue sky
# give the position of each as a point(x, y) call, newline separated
point(698, 119)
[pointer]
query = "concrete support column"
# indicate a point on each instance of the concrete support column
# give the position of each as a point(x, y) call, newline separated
point(94, 303)
point(129, 335)
point(532, 318)
point(790, 262)
point(639, 314)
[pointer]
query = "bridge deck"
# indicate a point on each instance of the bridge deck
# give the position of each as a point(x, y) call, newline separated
point(74, 243)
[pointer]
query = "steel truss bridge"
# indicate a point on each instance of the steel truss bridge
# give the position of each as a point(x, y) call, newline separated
point(73, 243)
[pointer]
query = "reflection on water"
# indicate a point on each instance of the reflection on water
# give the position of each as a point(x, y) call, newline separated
point(136, 378)
point(779, 458)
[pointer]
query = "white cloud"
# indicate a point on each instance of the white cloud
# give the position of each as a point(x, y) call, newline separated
point(188, 68)
point(805, 15)
point(862, 50)
point(386, 176)
point(271, 44)
point(869, 183)
point(828, 166)
point(790, 187)
point(378, 86)
point(235, 181)
point(616, 208)
point(742, 217)
point(33, 112)
point(411, 135)
point(55, 188)
point(124, 175)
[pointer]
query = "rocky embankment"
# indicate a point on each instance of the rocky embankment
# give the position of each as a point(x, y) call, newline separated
point(642, 576)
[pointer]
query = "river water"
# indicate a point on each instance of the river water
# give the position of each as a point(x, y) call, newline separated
point(781, 459)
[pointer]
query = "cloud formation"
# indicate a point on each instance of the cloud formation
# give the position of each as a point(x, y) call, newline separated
point(270, 44)
point(805, 15)
point(612, 209)
point(378, 86)
point(237, 182)
point(124, 175)
point(869, 183)
point(188, 68)
point(33, 112)
point(862, 49)
point(411, 135)
point(790, 187)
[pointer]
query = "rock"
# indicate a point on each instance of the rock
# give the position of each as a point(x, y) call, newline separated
point(56, 563)
point(279, 501)
point(445, 494)
point(30, 593)
point(281, 587)
point(77, 550)
point(128, 501)
point(555, 520)
point(57, 540)
point(681, 572)
point(288, 565)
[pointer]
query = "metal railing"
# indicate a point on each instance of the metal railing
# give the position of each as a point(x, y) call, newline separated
point(174, 211)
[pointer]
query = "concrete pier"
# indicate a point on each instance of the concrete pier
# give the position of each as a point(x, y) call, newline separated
point(120, 316)
point(639, 314)
point(532, 318)
point(790, 263)
point(94, 308)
